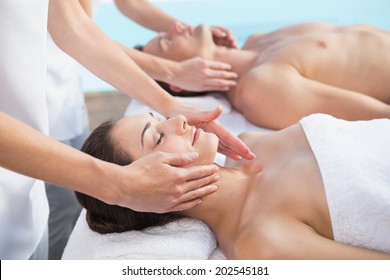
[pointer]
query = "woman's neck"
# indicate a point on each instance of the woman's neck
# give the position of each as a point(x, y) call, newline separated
point(221, 209)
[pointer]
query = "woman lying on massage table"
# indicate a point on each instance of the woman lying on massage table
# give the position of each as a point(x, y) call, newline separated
point(296, 71)
point(319, 189)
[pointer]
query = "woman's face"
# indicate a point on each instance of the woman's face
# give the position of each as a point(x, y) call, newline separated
point(181, 43)
point(144, 134)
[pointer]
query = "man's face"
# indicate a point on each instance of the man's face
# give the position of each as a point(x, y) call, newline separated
point(181, 43)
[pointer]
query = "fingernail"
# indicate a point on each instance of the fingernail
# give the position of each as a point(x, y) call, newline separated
point(213, 187)
point(199, 202)
point(217, 177)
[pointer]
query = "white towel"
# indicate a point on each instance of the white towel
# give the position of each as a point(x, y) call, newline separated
point(354, 160)
point(182, 239)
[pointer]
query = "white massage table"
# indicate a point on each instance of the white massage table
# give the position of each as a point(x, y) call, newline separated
point(182, 239)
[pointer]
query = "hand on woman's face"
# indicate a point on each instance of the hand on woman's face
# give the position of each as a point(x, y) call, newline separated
point(144, 134)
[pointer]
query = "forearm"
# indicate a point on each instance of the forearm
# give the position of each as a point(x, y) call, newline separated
point(86, 4)
point(146, 14)
point(26, 151)
point(156, 67)
point(76, 34)
point(333, 250)
point(346, 104)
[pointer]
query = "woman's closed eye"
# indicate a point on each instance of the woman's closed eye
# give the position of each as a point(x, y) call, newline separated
point(160, 139)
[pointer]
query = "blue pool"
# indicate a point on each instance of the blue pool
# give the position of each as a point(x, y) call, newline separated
point(242, 17)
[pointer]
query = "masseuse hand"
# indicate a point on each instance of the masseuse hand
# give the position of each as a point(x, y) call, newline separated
point(229, 144)
point(160, 184)
point(223, 37)
point(198, 74)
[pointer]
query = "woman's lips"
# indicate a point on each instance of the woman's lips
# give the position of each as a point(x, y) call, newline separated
point(196, 135)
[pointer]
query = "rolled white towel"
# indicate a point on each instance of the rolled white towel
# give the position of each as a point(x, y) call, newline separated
point(182, 239)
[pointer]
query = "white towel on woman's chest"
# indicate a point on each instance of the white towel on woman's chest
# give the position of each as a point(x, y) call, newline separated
point(354, 160)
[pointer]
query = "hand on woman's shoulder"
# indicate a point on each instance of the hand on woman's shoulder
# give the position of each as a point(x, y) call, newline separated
point(248, 137)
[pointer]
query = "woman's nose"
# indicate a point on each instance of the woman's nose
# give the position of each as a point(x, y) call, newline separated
point(178, 124)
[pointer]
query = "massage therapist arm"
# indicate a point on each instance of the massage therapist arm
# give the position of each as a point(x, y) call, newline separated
point(149, 184)
point(76, 34)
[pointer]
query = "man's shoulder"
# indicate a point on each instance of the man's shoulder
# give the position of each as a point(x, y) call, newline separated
point(251, 42)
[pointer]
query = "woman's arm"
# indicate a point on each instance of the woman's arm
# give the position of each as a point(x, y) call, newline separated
point(283, 238)
point(302, 242)
point(319, 247)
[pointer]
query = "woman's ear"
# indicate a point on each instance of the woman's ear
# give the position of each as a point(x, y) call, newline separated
point(175, 89)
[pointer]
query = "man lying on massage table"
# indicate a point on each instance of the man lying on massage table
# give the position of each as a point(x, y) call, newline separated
point(319, 189)
point(296, 71)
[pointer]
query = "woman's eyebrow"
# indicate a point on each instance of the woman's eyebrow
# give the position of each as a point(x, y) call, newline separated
point(143, 133)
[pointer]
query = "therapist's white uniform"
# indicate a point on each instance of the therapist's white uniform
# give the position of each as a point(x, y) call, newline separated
point(23, 204)
point(68, 123)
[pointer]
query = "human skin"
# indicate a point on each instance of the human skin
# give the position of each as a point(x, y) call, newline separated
point(26, 151)
point(269, 216)
point(141, 135)
point(150, 16)
point(76, 34)
point(298, 70)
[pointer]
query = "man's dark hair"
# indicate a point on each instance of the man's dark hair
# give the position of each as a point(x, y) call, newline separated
point(103, 217)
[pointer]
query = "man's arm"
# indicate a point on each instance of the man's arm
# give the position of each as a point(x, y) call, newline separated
point(280, 96)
